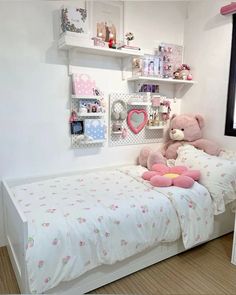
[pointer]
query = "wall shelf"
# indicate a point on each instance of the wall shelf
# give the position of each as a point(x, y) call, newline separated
point(91, 115)
point(178, 85)
point(85, 142)
point(139, 103)
point(161, 80)
point(86, 97)
point(67, 42)
point(117, 132)
point(155, 127)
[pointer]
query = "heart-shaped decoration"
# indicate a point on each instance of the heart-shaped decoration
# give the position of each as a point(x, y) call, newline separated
point(136, 120)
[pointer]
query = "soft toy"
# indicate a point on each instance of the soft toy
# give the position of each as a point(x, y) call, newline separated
point(162, 175)
point(184, 129)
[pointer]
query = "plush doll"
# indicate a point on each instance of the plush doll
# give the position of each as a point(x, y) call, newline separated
point(184, 129)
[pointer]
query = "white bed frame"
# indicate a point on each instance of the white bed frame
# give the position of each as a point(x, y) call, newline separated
point(16, 230)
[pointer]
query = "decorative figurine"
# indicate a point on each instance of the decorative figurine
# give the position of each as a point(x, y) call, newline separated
point(183, 73)
point(124, 133)
point(189, 77)
point(93, 108)
point(112, 43)
point(73, 117)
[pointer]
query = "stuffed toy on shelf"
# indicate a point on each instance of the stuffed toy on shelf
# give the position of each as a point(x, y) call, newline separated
point(184, 129)
point(183, 73)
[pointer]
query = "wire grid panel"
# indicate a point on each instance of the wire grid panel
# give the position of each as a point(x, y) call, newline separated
point(144, 136)
point(76, 139)
point(76, 143)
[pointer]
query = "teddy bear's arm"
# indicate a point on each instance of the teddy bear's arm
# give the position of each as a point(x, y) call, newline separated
point(207, 146)
point(171, 151)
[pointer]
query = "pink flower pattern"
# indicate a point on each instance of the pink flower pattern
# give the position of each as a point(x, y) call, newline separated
point(55, 242)
point(66, 259)
point(218, 174)
point(82, 243)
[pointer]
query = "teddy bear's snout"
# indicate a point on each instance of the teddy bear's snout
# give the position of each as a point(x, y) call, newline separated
point(176, 134)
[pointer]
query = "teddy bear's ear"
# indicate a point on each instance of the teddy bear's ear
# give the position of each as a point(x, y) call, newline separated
point(172, 117)
point(200, 120)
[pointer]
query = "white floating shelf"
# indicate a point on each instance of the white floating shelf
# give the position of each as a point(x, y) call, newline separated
point(91, 141)
point(161, 80)
point(139, 103)
point(155, 127)
point(86, 97)
point(116, 132)
point(68, 42)
point(91, 115)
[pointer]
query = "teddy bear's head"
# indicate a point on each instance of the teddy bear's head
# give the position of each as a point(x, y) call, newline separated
point(186, 127)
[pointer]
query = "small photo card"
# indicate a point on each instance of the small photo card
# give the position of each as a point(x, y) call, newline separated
point(77, 127)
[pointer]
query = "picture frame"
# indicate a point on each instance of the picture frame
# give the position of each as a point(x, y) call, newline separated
point(105, 18)
point(74, 20)
point(77, 127)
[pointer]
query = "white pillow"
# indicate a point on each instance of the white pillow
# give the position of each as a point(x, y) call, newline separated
point(228, 154)
point(218, 175)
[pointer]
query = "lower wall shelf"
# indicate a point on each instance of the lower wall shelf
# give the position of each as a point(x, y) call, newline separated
point(91, 141)
point(139, 103)
point(91, 115)
point(155, 127)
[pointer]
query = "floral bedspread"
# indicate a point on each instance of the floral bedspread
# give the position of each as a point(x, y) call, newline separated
point(79, 222)
point(193, 206)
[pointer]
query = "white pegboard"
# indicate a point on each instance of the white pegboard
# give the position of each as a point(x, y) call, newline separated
point(144, 136)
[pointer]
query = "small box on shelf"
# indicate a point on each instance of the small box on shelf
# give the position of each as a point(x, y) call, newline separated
point(97, 41)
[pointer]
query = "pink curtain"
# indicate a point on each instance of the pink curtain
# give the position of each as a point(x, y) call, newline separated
point(228, 9)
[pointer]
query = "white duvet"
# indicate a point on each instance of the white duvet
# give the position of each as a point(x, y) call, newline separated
point(77, 223)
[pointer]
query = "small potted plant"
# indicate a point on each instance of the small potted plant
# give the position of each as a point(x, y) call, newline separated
point(129, 37)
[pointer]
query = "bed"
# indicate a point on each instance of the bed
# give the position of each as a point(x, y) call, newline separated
point(62, 230)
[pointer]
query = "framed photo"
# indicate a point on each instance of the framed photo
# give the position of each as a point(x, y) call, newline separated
point(106, 18)
point(74, 19)
point(77, 127)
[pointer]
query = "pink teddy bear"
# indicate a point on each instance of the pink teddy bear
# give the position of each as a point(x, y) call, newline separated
point(184, 129)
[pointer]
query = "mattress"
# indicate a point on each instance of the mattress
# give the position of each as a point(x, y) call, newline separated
point(76, 223)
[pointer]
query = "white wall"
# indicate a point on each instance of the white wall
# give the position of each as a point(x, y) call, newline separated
point(207, 42)
point(34, 85)
point(155, 21)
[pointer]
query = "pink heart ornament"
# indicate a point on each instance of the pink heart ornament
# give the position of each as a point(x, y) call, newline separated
point(136, 120)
